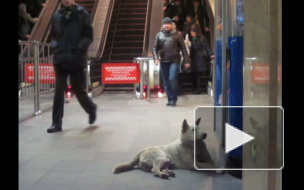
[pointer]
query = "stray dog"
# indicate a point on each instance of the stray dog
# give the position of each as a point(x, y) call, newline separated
point(179, 154)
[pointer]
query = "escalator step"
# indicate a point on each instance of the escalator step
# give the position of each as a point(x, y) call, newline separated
point(132, 5)
point(128, 37)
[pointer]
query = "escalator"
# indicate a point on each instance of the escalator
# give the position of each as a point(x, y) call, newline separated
point(125, 39)
point(87, 4)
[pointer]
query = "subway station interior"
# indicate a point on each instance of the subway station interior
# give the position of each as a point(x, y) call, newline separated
point(242, 88)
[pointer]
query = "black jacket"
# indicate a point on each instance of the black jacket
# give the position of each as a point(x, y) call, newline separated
point(168, 47)
point(200, 53)
point(202, 15)
point(187, 29)
point(71, 35)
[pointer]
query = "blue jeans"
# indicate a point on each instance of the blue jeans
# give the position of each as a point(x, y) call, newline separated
point(169, 71)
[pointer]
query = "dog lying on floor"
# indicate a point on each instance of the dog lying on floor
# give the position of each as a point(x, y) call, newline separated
point(179, 154)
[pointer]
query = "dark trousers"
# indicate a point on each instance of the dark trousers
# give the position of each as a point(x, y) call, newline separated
point(169, 72)
point(198, 77)
point(77, 77)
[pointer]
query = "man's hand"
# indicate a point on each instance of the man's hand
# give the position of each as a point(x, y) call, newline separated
point(156, 61)
point(187, 65)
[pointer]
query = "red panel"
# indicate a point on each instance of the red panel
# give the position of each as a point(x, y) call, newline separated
point(46, 73)
point(120, 73)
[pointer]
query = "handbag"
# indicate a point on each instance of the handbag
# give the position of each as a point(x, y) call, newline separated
point(185, 69)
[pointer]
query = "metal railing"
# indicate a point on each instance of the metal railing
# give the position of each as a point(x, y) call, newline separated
point(35, 71)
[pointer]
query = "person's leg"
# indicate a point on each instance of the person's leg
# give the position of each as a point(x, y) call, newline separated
point(198, 82)
point(194, 82)
point(173, 81)
point(76, 78)
point(205, 80)
point(58, 101)
point(164, 69)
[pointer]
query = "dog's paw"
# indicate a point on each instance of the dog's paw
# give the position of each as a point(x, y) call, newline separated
point(164, 176)
point(171, 173)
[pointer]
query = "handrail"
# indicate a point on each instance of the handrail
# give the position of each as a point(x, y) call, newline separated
point(40, 29)
point(114, 33)
point(147, 29)
point(104, 33)
point(94, 10)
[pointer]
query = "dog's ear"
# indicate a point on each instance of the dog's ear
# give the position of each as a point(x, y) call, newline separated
point(198, 121)
point(185, 126)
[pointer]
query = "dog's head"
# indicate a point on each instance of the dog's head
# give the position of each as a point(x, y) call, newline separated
point(187, 133)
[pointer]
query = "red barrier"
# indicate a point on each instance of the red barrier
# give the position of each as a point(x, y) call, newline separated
point(120, 73)
point(46, 73)
point(260, 73)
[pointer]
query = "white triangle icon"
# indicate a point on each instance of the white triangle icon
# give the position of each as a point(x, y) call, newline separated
point(235, 138)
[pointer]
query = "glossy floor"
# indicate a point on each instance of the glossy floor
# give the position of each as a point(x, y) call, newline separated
point(82, 156)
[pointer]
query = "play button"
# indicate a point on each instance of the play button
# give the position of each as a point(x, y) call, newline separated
point(235, 138)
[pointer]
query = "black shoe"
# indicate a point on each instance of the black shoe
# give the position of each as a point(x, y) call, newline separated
point(92, 116)
point(173, 103)
point(54, 129)
point(169, 103)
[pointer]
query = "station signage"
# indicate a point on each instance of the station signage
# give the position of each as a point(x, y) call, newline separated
point(120, 73)
point(260, 73)
point(46, 73)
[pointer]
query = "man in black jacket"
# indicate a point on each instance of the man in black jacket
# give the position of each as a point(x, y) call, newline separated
point(166, 51)
point(71, 35)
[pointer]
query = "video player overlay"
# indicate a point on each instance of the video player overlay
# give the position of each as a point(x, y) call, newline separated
point(239, 138)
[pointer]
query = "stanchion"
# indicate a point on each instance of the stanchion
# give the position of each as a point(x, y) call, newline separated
point(37, 110)
point(142, 62)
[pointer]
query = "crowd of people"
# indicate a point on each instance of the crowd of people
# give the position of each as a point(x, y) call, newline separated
point(186, 13)
point(191, 19)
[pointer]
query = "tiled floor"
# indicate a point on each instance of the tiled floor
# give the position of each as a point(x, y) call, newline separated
point(82, 157)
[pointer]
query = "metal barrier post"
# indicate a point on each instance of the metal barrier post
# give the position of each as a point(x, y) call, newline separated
point(142, 75)
point(37, 110)
point(134, 86)
point(148, 79)
point(88, 76)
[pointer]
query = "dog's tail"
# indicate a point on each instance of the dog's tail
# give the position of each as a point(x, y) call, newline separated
point(127, 166)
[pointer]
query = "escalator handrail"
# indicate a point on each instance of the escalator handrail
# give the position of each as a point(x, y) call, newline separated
point(42, 26)
point(104, 33)
point(147, 29)
point(93, 12)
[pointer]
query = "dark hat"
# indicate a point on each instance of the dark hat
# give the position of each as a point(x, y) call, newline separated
point(167, 20)
point(196, 1)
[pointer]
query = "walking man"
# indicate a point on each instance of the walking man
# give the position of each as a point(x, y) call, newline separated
point(166, 52)
point(71, 35)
